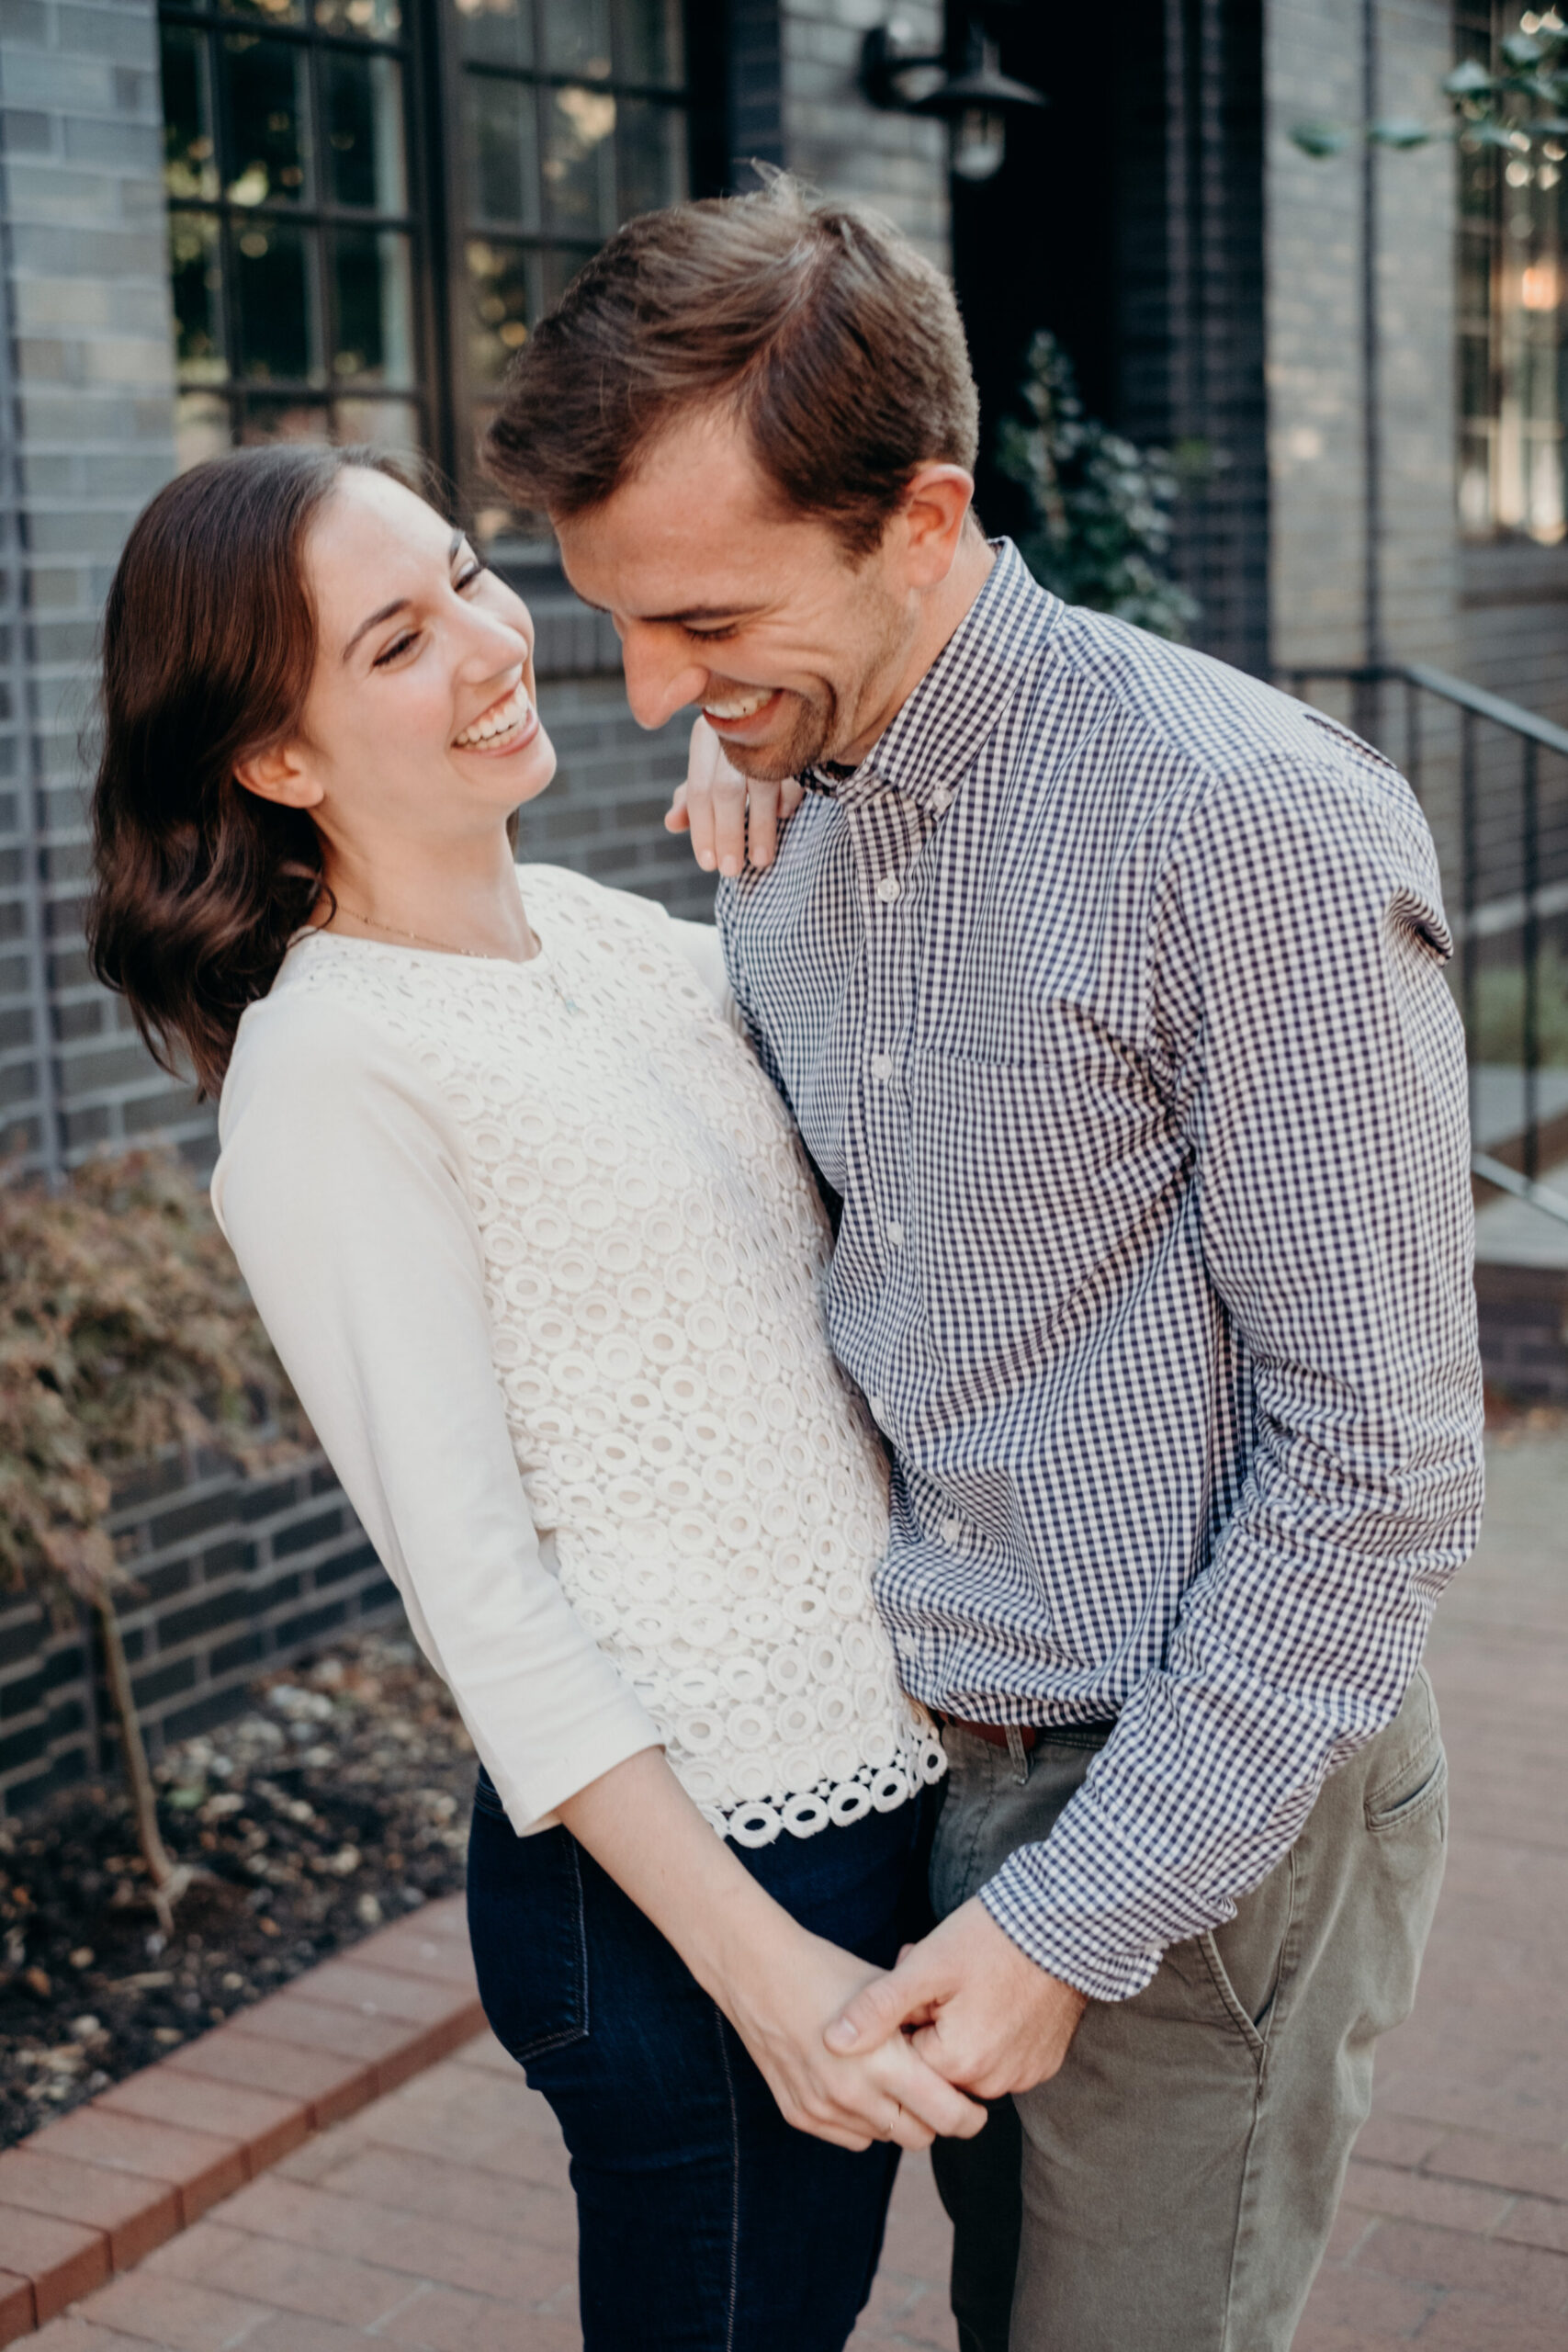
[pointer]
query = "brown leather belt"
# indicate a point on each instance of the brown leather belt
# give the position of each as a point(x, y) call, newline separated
point(995, 1734)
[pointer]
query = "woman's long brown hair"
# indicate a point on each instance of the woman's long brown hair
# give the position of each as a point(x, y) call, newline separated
point(210, 644)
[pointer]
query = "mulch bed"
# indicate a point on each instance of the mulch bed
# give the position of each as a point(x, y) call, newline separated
point(338, 1803)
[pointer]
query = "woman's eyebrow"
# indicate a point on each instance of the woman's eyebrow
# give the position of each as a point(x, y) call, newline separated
point(397, 605)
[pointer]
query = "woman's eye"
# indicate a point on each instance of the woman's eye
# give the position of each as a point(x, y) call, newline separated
point(467, 579)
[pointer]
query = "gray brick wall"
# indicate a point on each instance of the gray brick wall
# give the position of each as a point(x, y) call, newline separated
point(897, 162)
point(231, 1575)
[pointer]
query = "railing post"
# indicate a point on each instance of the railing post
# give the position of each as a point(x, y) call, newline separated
point(1470, 894)
point(1530, 1043)
point(1413, 736)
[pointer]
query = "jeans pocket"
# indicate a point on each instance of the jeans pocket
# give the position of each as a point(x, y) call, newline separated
point(1412, 1783)
point(529, 1935)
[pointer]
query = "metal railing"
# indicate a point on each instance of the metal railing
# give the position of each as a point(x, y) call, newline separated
point(1494, 780)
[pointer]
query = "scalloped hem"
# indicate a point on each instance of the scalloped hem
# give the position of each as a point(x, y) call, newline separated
point(874, 1788)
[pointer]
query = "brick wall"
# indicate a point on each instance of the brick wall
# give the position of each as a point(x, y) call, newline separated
point(232, 1575)
point(897, 162)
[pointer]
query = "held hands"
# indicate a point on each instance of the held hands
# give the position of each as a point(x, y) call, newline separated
point(718, 806)
point(971, 2004)
point(882, 2093)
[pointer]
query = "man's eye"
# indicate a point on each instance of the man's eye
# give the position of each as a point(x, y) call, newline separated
point(393, 651)
point(711, 635)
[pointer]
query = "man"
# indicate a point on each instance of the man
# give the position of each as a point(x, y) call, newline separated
point(1106, 987)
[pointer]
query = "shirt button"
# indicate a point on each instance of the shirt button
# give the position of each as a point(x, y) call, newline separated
point(941, 803)
point(889, 889)
point(895, 1233)
point(881, 1067)
point(952, 1528)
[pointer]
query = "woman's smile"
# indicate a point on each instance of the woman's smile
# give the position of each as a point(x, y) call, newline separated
point(506, 726)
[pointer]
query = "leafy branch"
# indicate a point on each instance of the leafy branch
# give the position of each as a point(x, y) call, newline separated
point(1519, 104)
point(125, 1327)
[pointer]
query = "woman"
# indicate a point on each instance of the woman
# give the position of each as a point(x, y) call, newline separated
point(539, 1251)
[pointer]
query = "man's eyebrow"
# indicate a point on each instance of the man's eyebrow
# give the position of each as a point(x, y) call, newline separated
point(396, 605)
point(689, 614)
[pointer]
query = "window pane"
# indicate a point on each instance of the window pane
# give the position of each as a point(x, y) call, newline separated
point(499, 307)
point(276, 12)
point(501, 33)
point(196, 283)
point(286, 421)
point(385, 425)
point(374, 293)
point(648, 40)
point(372, 19)
point(362, 100)
point(652, 149)
point(272, 287)
point(189, 168)
point(503, 143)
point(579, 169)
point(577, 36)
point(202, 428)
point(268, 122)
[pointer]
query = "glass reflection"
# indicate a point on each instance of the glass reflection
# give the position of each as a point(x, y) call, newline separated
point(499, 307)
point(649, 46)
point(190, 167)
point(577, 36)
point(362, 107)
point(373, 306)
point(285, 421)
point(578, 164)
point(195, 284)
point(276, 12)
point(497, 32)
point(272, 297)
point(502, 140)
point(652, 156)
point(268, 142)
point(371, 19)
point(385, 425)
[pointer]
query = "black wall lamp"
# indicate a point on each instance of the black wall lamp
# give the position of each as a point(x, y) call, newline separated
point(975, 101)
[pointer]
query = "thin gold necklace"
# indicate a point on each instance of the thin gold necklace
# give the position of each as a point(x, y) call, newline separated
point(475, 954)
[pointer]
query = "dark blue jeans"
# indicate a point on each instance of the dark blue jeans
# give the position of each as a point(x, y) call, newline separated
point(704, 2222)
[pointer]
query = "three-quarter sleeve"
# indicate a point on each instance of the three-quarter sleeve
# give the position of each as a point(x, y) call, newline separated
point(340, 1187)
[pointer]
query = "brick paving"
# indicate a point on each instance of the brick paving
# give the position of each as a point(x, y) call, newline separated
point(438, 2218)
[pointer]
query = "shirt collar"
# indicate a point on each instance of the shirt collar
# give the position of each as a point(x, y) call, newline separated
point(932, 740)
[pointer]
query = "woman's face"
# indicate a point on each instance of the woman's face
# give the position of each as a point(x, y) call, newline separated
point(420, 720)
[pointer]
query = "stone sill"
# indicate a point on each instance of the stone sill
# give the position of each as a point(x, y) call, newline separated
point(97, 2189)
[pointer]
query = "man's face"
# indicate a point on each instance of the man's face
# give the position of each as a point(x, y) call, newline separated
point(794, 648)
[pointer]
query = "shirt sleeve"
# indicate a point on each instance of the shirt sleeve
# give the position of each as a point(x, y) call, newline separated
point(1316, 1065)
point(340, 1189)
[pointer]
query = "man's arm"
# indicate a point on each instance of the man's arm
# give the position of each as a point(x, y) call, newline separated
point(1316, 1067)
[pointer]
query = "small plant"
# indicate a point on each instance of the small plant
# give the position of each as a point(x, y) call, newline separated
point(1101, 524)
point(125, 1327)
point(1521, 102)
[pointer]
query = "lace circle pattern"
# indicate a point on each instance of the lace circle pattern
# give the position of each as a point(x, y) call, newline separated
point(654, 1248)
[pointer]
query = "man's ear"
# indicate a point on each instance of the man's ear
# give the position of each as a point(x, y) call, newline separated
point(936, 505)
point(280, 775)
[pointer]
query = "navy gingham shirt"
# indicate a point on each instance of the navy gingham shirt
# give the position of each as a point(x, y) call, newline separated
point(1108, 994)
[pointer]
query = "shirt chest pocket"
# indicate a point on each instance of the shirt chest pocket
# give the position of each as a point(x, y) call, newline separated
point(1030, 1177)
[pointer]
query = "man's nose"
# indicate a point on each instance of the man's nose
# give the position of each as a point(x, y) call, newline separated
point(661, 677)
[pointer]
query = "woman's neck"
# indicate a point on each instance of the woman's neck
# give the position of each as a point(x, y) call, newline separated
point(465, 908)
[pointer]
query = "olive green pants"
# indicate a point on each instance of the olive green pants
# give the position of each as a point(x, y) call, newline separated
point(1172, 2188)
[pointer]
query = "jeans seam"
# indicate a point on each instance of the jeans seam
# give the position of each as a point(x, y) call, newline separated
point(735, 2184)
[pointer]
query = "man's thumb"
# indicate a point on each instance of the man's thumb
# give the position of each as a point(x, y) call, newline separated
point(873, 2016)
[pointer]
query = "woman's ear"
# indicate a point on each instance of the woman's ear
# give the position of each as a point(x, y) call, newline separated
point(279, 774)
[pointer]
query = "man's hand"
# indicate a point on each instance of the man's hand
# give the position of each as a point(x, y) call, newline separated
point(982, 2013)
point(778, 2006)
point(717, 806)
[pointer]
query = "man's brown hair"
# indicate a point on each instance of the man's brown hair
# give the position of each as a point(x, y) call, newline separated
point(834, 344)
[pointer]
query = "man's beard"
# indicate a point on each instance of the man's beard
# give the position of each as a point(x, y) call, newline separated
point(812, 732)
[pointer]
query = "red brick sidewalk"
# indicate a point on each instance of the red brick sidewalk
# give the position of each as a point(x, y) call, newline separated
point(438, 2219)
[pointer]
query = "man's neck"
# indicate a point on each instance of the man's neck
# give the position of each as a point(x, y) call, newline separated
point(939, 618)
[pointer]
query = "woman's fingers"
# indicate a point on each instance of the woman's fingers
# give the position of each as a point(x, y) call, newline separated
point(923, 2093)
point(727, 816)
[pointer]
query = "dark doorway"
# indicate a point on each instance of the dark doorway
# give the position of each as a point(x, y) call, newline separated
point(1128, 219)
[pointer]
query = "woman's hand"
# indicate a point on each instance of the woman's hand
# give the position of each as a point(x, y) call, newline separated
point(777, 2003)
point(779, 1985)
point(718, 806)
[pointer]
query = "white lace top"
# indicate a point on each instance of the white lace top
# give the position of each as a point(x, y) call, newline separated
point(539, 1249)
